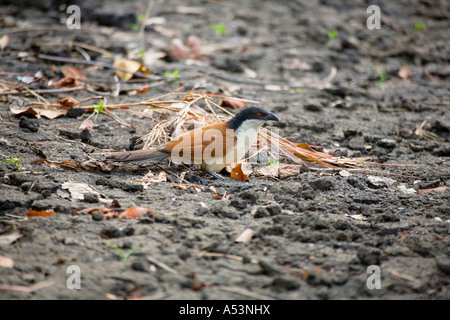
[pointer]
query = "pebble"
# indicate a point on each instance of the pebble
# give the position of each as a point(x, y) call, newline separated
point(386, 143)
point(443, 263)
point(322, 184)
point(285, 283)
point(30, 124)
point(369, 256)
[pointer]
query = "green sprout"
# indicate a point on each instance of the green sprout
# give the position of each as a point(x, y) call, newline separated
point(98, 109)
point(16, 162)
point(382, 77)
point(219, 28)
point(273, 164)
point(298, 90)
point(419, 26)
point(123, 254)
point(174, 74)
point(134, 27)
point(332, 35)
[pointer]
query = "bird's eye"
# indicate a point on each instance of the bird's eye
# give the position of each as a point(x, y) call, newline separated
point(259, 115)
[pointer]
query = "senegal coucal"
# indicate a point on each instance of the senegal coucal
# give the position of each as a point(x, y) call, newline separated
point(211, 147)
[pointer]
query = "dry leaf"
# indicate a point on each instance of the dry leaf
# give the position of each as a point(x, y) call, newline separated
point(131, 65)
point(183, 186)
point(246, 236)
point(224, 197)
point(68, 102)
point(10, 237)
point(344, 173)
point(4, 41)
point(136, 212)
point(281, 170)
point(50, 111)
point(109, 213)
point(40, 213)
point(241, 171)
point(77, 190)
point(87, 123)
point(71, 72)
point(96, 165)
point(437, 189)
point(233, 103)
point(68, 165)
point(71, 76)
point(404, 72)
point(138, 91)
point(403, 234)
point(192, 49)
point(6, 262)
point(195, 46)
point(152, 177)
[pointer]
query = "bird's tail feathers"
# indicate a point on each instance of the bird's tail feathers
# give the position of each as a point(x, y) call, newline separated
point(138, 155)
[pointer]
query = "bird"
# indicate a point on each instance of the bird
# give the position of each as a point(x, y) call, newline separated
point(211, 148)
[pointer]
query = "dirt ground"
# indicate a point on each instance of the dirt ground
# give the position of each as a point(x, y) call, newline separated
point(317, 235)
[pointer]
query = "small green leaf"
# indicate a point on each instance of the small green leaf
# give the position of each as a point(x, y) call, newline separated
point(98, 109)
point(219, 28)
point(419, 26)
point(16, 162)
point(333, 34)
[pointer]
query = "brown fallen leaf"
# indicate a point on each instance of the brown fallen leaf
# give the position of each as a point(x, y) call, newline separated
point(151, 178)
point(72, 72)
point(87, 123)
point(138, 91)
point(192, 49)
point(245, 236)
point(68, 165)
point(131, 65)
point(403, 234)
point(437, 189)
point(6, 262)
point(404, 72)
point(233, 103)
point(71, 76)
point(109, 213)
point(68, 102)
point(50, 111)
point(96, 165)
point(136, 212)
point(281, 170)
point(184, 186)
point(241, 171)
point(224, 197)
point(40, 213)
point(4, 41)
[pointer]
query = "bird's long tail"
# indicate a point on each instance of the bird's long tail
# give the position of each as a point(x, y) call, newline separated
point(138, 155)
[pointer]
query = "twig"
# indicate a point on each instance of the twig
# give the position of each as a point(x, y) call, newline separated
point(28, 289)
point(98, 64)
point(162, 265)
point(42, 91)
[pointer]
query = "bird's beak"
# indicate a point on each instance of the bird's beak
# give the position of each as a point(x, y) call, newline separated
point(271, 116)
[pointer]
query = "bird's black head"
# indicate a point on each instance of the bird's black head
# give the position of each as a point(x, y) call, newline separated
point(250, 113)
